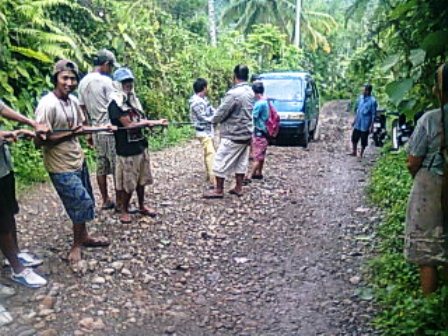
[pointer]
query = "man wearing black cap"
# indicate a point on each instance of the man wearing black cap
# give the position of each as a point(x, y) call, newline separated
point(94, 90)
point(64, 157)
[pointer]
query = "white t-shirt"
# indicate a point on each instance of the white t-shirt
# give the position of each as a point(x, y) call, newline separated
point(94, 90)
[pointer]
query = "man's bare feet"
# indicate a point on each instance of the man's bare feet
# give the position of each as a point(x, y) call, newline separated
point(90, 241)
point(108, 205)
point(75, 255)
point(237, 192)
point(213, 194)
point(145, 211)
point(125, 218)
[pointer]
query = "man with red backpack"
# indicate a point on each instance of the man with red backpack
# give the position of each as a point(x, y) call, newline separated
point(261, 116)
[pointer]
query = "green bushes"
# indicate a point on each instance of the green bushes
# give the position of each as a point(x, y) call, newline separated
point(403, 309)
point(170, 136)
point(165, 55)
point(28, 164)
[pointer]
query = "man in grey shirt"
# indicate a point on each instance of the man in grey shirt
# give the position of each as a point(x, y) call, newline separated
point(94, 90)
point(234, 116)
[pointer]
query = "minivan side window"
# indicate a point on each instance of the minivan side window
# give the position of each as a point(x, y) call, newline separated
point(315, 91)
point(309, 87)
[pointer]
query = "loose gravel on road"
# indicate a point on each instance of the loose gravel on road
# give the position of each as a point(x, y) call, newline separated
point(284, 259)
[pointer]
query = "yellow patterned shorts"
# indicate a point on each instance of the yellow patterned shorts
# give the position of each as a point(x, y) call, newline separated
point(133, 171)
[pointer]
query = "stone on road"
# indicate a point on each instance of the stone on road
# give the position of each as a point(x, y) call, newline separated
point(284, 259)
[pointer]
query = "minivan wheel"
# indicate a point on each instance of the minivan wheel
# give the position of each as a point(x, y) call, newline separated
point(314, 134)
point(305, 137)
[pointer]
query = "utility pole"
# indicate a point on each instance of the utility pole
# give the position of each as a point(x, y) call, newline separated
point(298, 23)
point(212, 22)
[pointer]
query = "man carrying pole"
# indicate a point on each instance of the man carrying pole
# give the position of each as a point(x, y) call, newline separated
point(133, 171)
point(94, 91)
point(20, 262)
point(64, 157)
point(201, 114)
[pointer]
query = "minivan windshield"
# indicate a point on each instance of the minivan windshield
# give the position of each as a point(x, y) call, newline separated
point(284, 89)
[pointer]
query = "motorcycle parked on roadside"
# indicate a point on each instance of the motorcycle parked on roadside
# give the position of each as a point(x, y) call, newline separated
point(379, 133)
point(402, 129)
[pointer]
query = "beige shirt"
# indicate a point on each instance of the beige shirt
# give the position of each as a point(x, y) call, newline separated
point(66, 156)
point(94, 91)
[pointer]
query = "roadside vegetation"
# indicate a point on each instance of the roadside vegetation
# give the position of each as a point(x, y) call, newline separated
point(403, 309)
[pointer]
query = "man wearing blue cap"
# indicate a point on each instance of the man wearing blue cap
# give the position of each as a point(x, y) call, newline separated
point(133, 168)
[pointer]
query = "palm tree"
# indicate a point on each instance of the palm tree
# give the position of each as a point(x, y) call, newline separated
point(298, 23)
point(29, 32)
point(212, 21)
point(243, 14)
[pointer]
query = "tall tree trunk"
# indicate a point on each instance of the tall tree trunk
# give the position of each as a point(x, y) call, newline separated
point(212, 21)
point(297, 36)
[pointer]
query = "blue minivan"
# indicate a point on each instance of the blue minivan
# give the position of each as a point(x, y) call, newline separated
point(296, 98)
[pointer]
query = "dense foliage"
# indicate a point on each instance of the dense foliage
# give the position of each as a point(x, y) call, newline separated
point(403, 43)
point(244, 14)
point(399, 51)
point(165, 54)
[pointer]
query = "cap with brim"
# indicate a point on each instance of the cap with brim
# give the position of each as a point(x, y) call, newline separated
point(65, 65)
point(104, 56)
point(122, 74)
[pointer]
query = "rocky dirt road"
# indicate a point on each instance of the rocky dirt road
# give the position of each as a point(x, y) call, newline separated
point(284, 259)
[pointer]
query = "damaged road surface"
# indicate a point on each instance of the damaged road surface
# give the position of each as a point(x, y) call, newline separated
point(284, 259)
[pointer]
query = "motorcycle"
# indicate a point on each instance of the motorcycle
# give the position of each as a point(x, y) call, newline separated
point(402, 129)
point(379, 133)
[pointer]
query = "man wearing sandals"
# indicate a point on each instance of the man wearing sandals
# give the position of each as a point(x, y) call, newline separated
point(260, 141)
point(235, 118)
point(201, 113)
point(64, 157)
point(94, 91)
point(19, 261)
point(133, 170)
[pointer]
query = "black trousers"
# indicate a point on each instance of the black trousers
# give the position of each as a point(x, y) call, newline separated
point(8, 203)
point(364, 136)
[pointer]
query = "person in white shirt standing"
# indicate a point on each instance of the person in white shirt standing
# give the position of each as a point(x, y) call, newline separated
point(201, 114)
point(94, 90)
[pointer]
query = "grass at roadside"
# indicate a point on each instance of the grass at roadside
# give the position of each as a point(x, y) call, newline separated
point(403, 309)
point(171, 136)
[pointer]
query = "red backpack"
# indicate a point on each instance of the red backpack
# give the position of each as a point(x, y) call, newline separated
point(273, 122)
